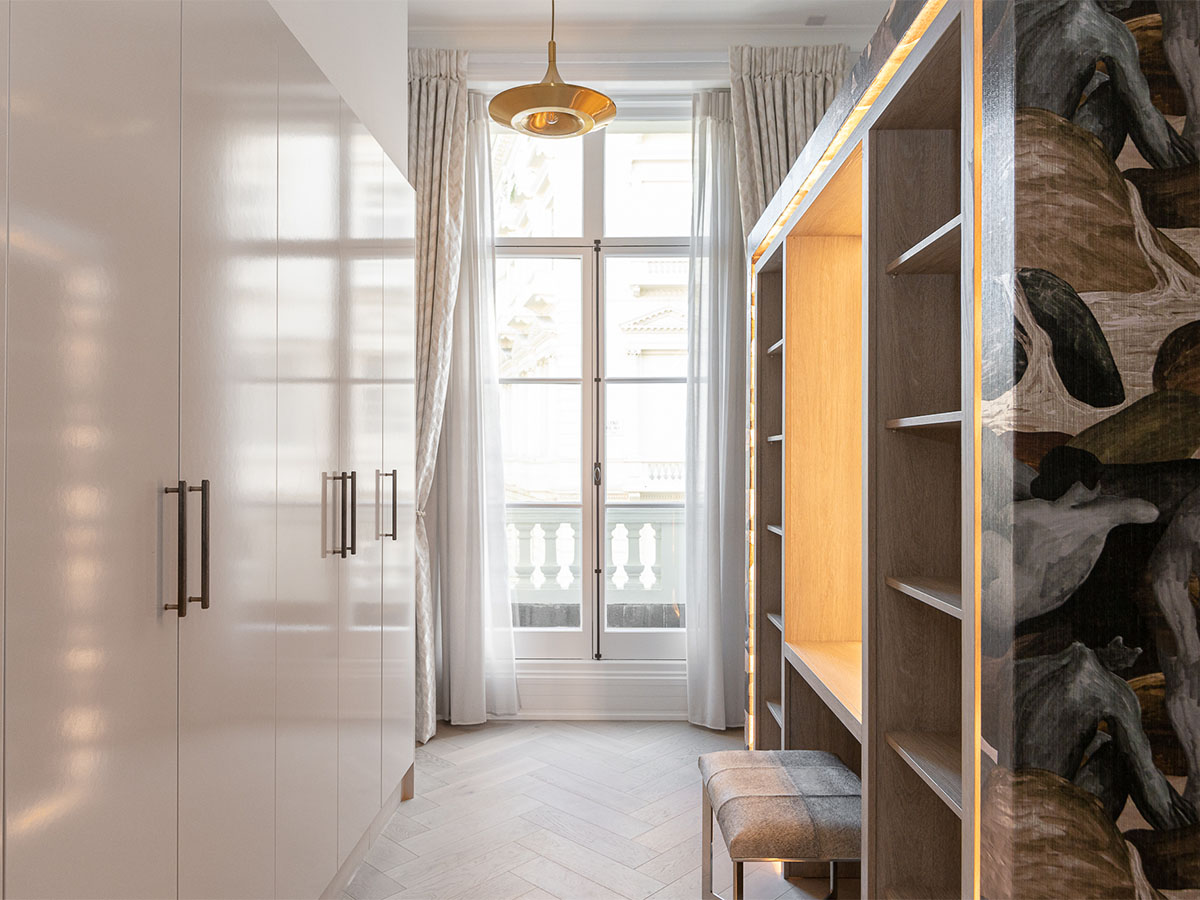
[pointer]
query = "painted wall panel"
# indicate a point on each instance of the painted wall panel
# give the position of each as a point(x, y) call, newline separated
point(1091, 439)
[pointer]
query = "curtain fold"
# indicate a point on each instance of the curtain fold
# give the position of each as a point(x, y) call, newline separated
point(437, 108)
point(779, 96)
point(715, 486)
point(477, 668)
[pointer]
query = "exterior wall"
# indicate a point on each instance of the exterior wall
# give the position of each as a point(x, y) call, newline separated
point(1091, 449)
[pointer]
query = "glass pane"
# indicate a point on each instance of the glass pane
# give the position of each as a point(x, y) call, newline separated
point(537, 185)
point(644, 435)
point(648, 182)
point(538, 312)
point(645, 317)
point(545, 566)
point(541, 433)
point(643, 568)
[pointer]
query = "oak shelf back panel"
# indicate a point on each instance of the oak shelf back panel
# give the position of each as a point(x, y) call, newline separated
point(823, 416)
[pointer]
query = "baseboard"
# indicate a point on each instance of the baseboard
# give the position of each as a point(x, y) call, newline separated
point(402, 792)
point(602, 689)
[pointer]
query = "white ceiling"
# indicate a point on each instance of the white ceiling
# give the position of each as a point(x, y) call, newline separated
point(739, 13)
point(630, 47)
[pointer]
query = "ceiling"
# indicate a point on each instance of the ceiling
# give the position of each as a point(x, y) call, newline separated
point(630, 47)
point(712, 13)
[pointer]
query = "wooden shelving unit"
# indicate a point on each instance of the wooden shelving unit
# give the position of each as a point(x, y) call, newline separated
point(863, 373)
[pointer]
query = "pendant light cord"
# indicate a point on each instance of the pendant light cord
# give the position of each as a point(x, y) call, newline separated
point(551, 19)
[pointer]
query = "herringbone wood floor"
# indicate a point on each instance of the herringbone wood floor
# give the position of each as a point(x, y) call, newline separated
point(567, 810)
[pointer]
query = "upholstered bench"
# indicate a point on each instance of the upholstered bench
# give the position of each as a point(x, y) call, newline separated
point(779, 806)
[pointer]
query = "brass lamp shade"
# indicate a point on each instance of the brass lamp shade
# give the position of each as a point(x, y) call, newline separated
point(552, 108)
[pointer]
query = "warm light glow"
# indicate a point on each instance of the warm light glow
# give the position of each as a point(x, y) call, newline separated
point(977, 487)
point(915, 31)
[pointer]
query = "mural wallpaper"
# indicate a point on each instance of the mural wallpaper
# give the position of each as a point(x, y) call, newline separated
point(1092, 436)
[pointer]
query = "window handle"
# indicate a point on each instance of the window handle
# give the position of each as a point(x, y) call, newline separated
point(596, 474)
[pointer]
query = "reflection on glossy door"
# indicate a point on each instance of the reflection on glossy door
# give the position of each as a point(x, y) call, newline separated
point(360, 677)
point(92, 438)
point(228, 363)
point(399, 457)
point(306, 746)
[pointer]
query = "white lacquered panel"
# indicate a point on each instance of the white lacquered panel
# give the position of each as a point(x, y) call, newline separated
point(92, 438)
point(360, 678)
point(228, 361)
point(399, 454)
point(306, 746)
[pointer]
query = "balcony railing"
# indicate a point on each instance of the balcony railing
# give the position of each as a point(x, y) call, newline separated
point(643, 550)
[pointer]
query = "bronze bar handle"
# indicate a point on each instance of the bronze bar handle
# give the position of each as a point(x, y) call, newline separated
point(392, 475)
point(181, 552)
point(354, 513)
point(345, 544)
point(204, 542)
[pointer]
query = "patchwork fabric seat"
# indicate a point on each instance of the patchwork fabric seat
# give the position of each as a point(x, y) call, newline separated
point(780, 805)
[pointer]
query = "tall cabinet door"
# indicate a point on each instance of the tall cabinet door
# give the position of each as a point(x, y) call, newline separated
point(306, 638)
point(360, 676)
point(228, 362)
point(93, 413)
point(399, 460)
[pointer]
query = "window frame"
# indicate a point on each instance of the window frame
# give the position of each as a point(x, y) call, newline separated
point(593, 249)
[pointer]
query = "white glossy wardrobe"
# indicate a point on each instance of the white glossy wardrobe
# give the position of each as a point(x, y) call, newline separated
point(209, 286)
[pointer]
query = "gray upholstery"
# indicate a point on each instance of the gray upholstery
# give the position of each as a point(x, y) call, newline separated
point(784, 804)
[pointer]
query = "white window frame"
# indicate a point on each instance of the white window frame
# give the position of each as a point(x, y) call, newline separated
point(594, 640)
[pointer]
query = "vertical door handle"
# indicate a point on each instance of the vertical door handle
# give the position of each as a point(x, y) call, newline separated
point(181, 552)
point(204, 544)
point(354, 513)
point(392, 475)
point(345, 544)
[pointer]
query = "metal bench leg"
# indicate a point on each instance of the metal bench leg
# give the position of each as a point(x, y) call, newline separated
point(706, 836)
point(832, 881)
point(739, 886)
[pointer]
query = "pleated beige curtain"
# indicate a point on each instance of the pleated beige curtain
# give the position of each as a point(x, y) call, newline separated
point(437, 128)
point(779, 95)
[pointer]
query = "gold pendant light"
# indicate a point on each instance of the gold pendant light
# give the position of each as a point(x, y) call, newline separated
point(552, 108)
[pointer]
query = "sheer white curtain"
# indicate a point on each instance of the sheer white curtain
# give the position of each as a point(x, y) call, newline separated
point(477, 671)
point(715, 494)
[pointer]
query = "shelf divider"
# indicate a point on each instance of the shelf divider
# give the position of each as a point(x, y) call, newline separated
point(775, 439)
point(943, 594)
point(775, 529)
point(936, 758)
point(939, 253)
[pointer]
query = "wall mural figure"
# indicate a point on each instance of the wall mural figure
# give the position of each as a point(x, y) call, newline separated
point(1091, 558)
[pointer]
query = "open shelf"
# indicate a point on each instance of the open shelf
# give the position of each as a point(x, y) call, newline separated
point(834, 670)
point(937, 254)
point(776, 348)
point(776, 620)
point(775, 529)
point(937, 759)
point(943, 594)
point(776, 711)
point(775, 439)
point(947, 421)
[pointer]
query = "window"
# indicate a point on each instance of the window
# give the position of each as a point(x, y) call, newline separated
point(591, 311)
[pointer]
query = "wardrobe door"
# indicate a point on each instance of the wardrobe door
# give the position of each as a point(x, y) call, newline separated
point(399, 461)
point(306, 637)
point(360, 677)
point(228, 360)
point(92, 439)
